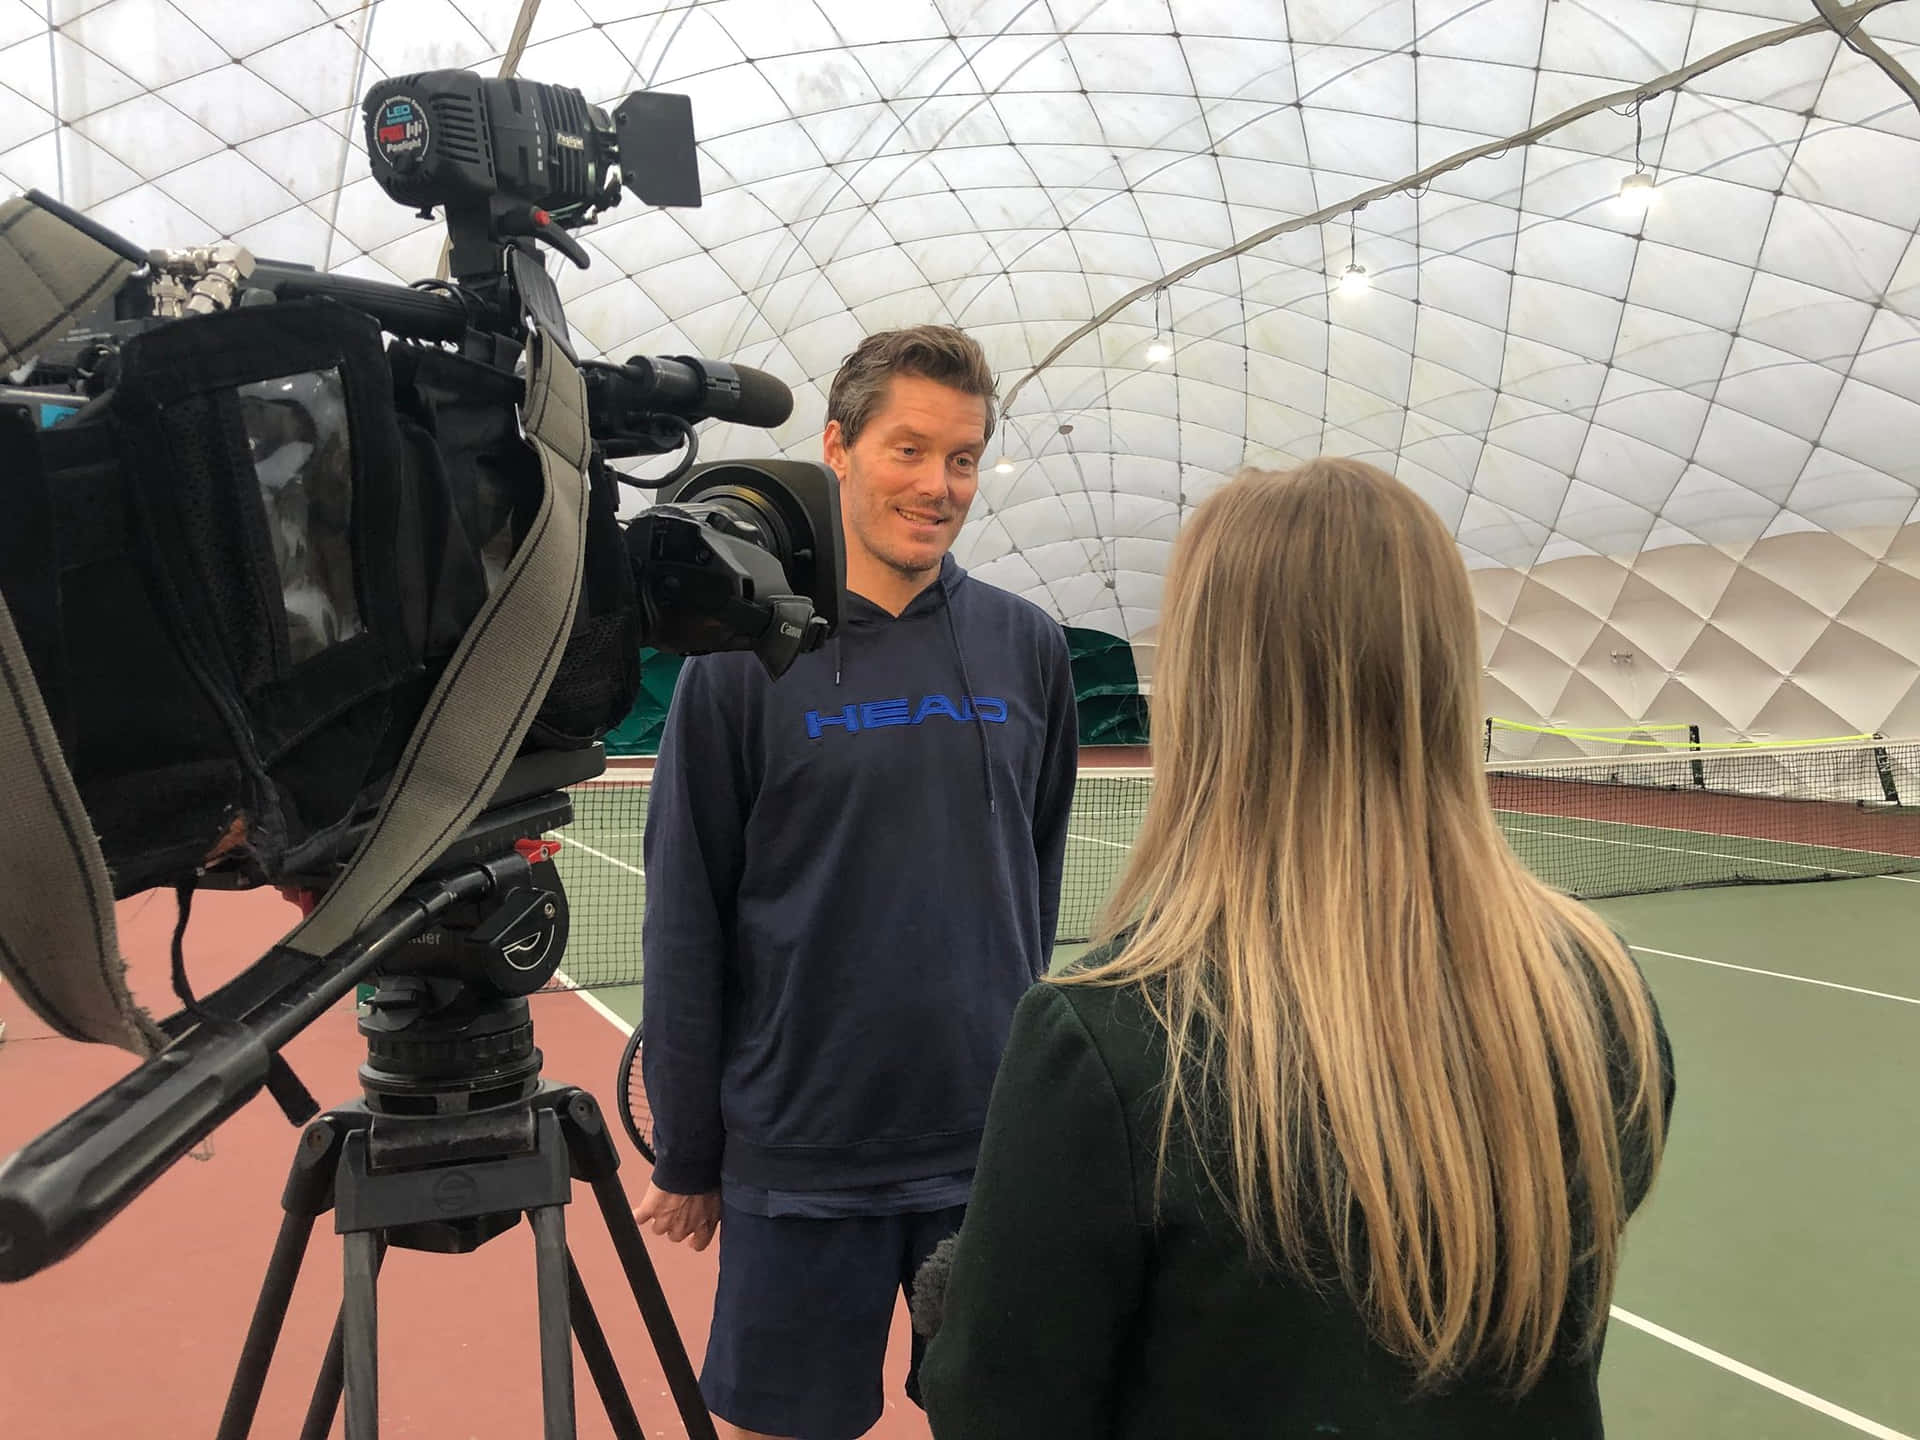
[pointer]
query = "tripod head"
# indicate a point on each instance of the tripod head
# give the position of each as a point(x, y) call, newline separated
point(448, 1031)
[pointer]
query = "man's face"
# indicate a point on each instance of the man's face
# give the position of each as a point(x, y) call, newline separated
point(907, 480)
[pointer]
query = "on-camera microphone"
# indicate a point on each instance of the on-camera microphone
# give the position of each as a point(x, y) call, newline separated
point(621, 397)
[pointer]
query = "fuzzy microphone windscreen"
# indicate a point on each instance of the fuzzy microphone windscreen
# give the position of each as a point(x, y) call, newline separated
point(929, 1303)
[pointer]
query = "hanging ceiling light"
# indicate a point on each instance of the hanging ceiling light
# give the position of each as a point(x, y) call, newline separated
point(1159, 352)
point(1636, 193)
point(1354, 280)
point(1636, 190)
point(1003, 467)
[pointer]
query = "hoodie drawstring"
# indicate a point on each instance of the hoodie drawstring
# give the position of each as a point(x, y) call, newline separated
point(979, 725)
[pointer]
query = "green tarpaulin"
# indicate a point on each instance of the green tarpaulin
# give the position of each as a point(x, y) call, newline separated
point(1112, 709)
point(639, 733)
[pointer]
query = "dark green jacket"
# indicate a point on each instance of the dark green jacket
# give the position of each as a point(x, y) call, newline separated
point(1074, 1312)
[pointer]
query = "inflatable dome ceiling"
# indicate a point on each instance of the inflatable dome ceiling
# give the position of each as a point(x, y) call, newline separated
point(1624, 288)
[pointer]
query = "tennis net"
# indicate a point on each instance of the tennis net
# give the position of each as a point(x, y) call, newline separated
point(1631, 826)
point(1595, 827)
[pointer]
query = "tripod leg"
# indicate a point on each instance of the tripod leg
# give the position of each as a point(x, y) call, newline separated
point(599, 1357)
point(308, 1194)
point(652, 1301)
point(360, 1346)
point(597, 1162)
point(263, 1333)
point(326, 1388)
point(556, 1334)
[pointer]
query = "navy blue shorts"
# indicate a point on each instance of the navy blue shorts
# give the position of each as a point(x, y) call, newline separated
point(801, 1316)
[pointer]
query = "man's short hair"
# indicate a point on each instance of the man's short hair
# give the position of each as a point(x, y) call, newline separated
point(941, 353)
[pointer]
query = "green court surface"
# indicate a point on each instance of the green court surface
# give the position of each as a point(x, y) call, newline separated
point(1771, 1288)
point(1782, 1231)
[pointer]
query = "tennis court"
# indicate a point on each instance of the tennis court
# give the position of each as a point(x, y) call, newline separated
point(1771, 1289)
point(1772, 1285)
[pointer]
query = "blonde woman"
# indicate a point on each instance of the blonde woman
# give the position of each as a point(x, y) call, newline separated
point(1338, 1133)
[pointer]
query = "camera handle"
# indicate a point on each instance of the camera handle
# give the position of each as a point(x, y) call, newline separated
point(391, 1183)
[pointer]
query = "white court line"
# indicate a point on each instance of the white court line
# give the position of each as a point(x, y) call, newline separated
point(1686, 830)
point(1644, 845)
point(605, 1011)
point(1760, 1377)
point(1712, 854)
point(1777, 975)
point(571, 844)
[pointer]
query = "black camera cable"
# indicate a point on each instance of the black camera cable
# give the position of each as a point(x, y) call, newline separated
point(296, 1102)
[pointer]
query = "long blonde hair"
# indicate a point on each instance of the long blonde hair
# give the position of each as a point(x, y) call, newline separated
point(1384, 1015)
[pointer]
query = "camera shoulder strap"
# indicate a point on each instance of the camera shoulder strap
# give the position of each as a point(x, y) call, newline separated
point(55, 900)
point(459, 751)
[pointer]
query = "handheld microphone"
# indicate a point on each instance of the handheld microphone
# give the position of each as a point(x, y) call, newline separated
point(928, 1305)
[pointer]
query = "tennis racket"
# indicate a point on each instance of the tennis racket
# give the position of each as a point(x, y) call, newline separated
point(636, 1116)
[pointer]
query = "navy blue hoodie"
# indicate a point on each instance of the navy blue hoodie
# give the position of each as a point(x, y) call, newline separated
point(853, 875)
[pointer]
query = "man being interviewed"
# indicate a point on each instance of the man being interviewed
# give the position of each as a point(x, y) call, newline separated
point(852, 877)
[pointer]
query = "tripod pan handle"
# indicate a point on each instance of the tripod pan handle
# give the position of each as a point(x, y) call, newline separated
point(63, 1186)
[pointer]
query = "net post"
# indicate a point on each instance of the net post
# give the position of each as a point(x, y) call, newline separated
point(1699, 770)
point(1883, 766)
point(1489, 747)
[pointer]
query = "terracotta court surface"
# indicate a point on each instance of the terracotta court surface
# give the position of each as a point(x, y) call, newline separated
point(137, 1333)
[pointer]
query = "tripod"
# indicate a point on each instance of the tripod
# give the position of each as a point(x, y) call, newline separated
point(456, 1139)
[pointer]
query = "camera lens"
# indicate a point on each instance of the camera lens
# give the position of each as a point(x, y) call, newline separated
point(757, 515)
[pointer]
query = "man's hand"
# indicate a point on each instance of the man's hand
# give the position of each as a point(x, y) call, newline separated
point(692, 1218)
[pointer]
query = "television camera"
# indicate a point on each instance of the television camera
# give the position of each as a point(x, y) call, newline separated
point(318, 582)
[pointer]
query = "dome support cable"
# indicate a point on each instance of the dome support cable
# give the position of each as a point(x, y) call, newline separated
point(1847, 27)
